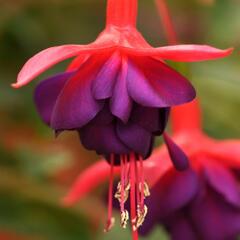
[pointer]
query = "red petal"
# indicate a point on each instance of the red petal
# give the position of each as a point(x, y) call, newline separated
point(186, 117)
point(77, 62)
point(92, 177)
point(227, 151)
point(157, 165)
point(184, 53)
point(49, 57)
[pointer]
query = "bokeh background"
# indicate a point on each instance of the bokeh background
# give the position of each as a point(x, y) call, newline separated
point(35, 168)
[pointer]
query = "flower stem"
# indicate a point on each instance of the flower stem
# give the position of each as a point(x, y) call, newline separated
point(168, 26)
point(186, 117)
point(122, 13)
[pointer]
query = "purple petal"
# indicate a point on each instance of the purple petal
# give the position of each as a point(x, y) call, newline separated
point(135, 137)
point(178, 157)
point(152, 83)
point(117, 156)
point(215, 219)
point(102, 139)
point(76, 106)
point(173, 191)
point(152, 119)
point(104, 117)
point(223, 181)
point(163, 120)
point(149, 223)
point(121, 103)
point(102, 86)
point(46, 93)
point(150, 149)
point(182, 230)
point(146, 117)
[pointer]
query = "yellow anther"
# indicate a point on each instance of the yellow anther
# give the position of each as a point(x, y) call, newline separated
point(146, 189)
point(141, 214)
point(125, 193)
point(124, 218)
point(110, 224)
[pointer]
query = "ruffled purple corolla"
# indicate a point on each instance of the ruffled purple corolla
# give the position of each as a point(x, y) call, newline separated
point(196, 205)
point(110, 114)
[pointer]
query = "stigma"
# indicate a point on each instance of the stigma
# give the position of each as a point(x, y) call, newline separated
point(133, 186)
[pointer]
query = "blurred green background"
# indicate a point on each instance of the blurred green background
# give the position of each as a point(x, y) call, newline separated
point(35, 168)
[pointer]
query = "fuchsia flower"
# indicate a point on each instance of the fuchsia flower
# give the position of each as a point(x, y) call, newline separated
point(116, 93)
point(201, 203)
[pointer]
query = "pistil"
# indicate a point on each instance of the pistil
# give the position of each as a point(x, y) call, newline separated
point(133, 197)
point(110, 220)
point(142, 181)
point(137, 183)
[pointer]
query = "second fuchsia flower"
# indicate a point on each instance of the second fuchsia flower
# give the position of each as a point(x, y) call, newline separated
point(116, 93)
point(200, 203)
point(203, 202)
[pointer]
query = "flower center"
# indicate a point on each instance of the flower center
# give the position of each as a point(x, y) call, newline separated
point(132, 183)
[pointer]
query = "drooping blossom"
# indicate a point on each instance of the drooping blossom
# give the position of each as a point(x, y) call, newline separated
point(116, 93)
point(203, 202)
point(200, 203)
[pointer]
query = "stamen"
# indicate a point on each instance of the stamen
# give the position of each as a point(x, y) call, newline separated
point(141, 214)
point(145, 190)
point(124, 218)
point(124, 195)
point(122, 183)
point(110, 224)
point(126, 184)
point(110, 220)
point(126, 175)
point(142, 182)
point(137, 183)
point(133, 197)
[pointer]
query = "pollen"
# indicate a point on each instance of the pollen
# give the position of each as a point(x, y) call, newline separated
point(131, 186)
point(119, 192)
point(146, 189)
point(124, 218)
point(110, 224)
point(141, 214)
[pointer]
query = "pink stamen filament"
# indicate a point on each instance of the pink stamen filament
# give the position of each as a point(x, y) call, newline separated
point(142, 181)
point(126, 169)
point(122, 182)
point(133, 197)
point(137, 183)
point(110, 194)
